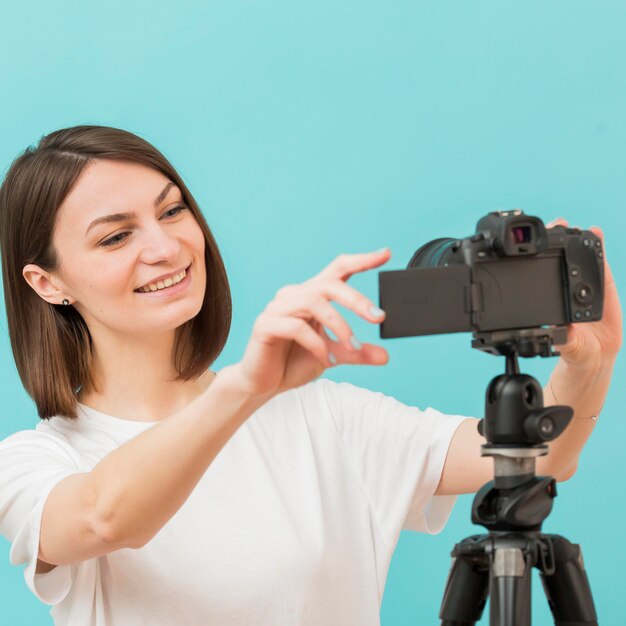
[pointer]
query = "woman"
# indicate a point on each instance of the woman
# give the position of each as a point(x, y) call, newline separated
point(156, 491)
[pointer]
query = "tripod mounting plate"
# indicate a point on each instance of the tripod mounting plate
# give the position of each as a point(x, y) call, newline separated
point(526, 342)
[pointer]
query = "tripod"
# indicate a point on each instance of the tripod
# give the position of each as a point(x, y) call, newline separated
point(513, 506)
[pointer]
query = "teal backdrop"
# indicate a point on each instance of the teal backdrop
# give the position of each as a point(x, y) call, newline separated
point(306, 130)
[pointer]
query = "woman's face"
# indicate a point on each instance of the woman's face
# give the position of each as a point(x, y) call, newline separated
point(105, 260)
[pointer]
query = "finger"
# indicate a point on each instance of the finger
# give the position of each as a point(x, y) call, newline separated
point(559, 221)
point(269, 328)
point(369, 354)
point(345, 265)
point(572, 344)
point(596, 230)
point(329, 317)
point(300, 300)
point(353, 299)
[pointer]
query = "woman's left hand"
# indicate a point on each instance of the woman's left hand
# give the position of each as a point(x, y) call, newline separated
point(590, 344)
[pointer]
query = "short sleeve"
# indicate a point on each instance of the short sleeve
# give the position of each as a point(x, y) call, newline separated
point(399, 452)
point(31, 464)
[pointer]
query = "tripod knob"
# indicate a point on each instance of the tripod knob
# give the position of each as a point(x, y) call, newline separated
point(481, 427)
point(548, 423)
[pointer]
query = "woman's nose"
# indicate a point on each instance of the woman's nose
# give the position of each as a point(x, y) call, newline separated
point(158, 245)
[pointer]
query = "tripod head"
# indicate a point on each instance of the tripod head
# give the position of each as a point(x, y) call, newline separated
point(517, 426)
point(514, 411)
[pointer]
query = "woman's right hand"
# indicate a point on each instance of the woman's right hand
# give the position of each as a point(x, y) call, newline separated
point(289, 345)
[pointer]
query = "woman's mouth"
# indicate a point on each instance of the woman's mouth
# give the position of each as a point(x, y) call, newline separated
point(161, 289)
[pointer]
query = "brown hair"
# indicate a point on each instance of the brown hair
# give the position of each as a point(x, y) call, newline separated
point(51, 343)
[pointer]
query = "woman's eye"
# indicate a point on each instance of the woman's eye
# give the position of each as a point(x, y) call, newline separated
point(112, 240)
point(120, 236)
point(178, 208)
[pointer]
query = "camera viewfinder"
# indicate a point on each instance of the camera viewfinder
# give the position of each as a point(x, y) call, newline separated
point(521, 234)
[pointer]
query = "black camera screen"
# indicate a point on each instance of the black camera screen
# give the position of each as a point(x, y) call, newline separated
point(521, 292)
point(517, 292)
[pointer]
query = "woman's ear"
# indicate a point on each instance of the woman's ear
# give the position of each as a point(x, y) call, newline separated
point(44, 284)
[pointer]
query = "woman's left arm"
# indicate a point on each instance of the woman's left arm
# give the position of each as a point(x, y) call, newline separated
point(580, 379)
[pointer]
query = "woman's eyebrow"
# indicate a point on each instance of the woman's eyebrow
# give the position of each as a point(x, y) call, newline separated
point(163, 194)
point(120, 217)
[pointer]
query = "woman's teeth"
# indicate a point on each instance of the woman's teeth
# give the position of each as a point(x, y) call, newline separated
point(168, 282)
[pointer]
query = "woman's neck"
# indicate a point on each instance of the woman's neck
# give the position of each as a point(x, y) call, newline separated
point(155, 403)
point(135, 377)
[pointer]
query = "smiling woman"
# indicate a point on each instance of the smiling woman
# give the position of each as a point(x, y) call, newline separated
point(118, 303)
point(56, 229)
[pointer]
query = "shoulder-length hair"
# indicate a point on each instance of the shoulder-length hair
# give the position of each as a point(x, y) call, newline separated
point(51, 344)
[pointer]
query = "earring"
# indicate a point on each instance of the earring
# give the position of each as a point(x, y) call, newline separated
point(66, 301)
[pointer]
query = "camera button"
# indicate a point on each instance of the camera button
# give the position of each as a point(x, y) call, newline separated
point(575, 272)
point(587, 313)
point(586, 242)
point(584, 294)
point(578, 315)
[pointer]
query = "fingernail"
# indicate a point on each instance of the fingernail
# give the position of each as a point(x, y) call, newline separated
point(376, 312)
point(355, 343)
point(332, 358)
point(381, 250)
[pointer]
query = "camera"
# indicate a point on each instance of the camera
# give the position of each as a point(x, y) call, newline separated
point(513, 273)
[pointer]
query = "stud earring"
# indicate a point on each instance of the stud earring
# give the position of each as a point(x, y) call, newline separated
point(66, 301)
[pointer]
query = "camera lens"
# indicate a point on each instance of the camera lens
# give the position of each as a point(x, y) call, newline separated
point(436, 253)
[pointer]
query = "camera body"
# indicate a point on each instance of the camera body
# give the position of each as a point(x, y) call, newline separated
point(513, 273)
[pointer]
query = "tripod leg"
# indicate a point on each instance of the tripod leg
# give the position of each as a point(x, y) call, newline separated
point(466, 590)
point(567, 589)
point(510, 588)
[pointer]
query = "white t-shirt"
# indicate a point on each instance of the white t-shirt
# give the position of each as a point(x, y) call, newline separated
point(293, 523)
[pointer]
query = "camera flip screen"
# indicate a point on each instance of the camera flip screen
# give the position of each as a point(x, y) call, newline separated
point(503, 294)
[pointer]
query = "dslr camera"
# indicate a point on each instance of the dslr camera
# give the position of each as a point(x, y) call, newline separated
point(512, 274)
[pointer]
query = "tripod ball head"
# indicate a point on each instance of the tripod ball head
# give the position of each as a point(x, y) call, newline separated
point(515, 415)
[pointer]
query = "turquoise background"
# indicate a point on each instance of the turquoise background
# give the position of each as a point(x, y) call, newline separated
point(309, 129)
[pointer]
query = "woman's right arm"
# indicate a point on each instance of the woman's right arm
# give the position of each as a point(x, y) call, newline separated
point(132, 493)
